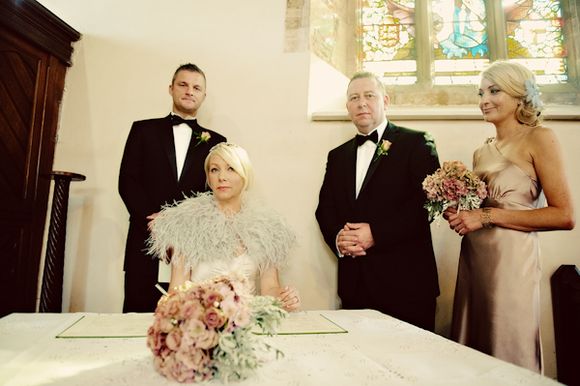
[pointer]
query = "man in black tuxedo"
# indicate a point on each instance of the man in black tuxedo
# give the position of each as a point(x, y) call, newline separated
point(371, 213)
point(162, 162)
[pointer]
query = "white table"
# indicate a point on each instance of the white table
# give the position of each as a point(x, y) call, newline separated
point(377, 350)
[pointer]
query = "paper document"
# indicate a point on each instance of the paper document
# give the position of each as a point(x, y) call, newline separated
point(135, 325)
point(306, 322)
point(131, 325)
point(164, 274)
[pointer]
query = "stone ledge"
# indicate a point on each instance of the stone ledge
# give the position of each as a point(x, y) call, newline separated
point(447, 113)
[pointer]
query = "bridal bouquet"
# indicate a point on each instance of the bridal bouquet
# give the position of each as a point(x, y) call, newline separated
point(453, 185)
point(203, 331)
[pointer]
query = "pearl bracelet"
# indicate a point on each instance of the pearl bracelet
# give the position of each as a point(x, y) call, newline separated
point(486, 218)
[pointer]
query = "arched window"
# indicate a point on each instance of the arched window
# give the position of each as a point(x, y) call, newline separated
point(437, 48)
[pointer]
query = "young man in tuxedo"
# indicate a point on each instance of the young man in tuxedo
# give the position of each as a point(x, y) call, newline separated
point(162, 163)
point(371, 213)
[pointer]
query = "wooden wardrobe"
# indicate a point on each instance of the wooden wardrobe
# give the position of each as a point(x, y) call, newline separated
point(35, 52)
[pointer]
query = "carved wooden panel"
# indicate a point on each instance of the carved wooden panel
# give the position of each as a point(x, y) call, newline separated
point(22, 96)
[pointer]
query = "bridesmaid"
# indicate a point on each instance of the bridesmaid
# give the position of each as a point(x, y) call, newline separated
point(497, 297)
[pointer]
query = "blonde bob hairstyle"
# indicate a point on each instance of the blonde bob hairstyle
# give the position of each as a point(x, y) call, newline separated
point(236, 157)
point(511, 78)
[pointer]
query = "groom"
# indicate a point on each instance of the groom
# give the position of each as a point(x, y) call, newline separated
point(162, 163)
point(371, 214)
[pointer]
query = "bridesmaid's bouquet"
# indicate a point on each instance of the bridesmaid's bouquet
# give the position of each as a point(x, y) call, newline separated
point(453, 185)
point(204, 331)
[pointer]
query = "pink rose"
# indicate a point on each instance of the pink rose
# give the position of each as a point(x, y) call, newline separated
point(158, 363)
point(202, 137)
point(162, 324)
point(169, 307)
point(191, 328)
point(213, 318)
point(205, 136)
point(155, 340)
point(173, 339)
point(383, 148)
point(386, 145)
point(193, 358)
point(191, 309)
point(200, 360)
point(207, 339)
point(178, 371)
point(212, 298)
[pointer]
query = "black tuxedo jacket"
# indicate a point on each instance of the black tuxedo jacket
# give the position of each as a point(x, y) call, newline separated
point(401, 265)
point(148, 177)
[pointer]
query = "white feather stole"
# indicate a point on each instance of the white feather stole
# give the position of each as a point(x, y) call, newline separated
point(197, 231)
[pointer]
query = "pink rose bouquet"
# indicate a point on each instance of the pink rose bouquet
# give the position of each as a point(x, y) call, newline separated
point(203, 331)
point(453, 185)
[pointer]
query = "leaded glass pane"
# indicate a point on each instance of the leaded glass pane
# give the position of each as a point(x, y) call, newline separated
point(458, 71)
point(459, 41)
point(535, 37)
point(388, 40)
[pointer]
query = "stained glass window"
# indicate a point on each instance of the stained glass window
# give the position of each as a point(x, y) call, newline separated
point(457, 38)
point(460, 44)
point(535, 38)
point(388, 40)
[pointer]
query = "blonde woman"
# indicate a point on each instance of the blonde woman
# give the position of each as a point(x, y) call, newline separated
point(497, 297)
point(224, 232)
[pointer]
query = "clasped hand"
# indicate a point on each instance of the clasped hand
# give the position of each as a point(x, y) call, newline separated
point(354, 239)
point(463, 221)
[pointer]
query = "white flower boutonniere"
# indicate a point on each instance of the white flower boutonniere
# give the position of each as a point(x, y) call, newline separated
point(382, 148)
point(430, 142)
point(202, 137)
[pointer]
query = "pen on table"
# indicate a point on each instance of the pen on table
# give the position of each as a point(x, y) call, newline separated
point(161, 289)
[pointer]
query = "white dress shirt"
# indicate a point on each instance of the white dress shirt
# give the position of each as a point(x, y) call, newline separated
point(364, 156)
point(181, 137)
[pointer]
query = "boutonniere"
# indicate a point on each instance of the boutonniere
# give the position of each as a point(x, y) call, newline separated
point(202, 137)
point(382, 148)
point(430, 143)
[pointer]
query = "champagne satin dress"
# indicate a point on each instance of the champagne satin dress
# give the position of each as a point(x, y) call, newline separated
point(497, 296)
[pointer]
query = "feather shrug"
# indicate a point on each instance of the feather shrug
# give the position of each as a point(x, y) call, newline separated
point(198, 231)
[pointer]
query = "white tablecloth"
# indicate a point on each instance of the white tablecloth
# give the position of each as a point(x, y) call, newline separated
point(377, 350)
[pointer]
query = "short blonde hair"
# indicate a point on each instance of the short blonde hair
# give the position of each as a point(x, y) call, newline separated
point(236, 157)
point(511, 78)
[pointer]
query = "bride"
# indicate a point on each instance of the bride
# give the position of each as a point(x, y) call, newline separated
point(224, 232)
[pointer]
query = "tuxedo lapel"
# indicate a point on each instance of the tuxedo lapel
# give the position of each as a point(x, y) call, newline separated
point(390, 133)
point(194, 154)
point(167, 141)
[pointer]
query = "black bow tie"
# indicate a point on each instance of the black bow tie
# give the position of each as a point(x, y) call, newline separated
point(360, 139)
point(177, 120)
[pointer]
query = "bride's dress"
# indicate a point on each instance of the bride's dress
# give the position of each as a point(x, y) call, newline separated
point(242, 265)
point(210, 241)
